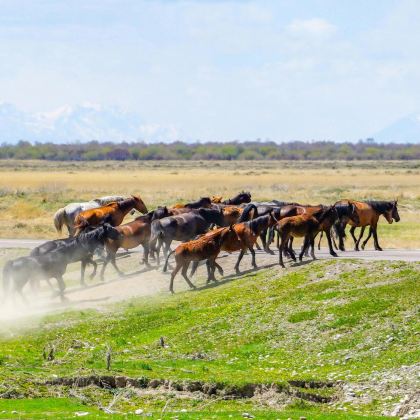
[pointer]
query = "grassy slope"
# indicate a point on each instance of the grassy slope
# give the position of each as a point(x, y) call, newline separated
point(327, 320)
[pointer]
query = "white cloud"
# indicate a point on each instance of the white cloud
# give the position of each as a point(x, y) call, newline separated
point(311, 27)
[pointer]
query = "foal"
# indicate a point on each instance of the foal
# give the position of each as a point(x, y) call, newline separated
point(206, 247)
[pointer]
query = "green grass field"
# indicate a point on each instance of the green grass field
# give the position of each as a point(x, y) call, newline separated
point(352, 324)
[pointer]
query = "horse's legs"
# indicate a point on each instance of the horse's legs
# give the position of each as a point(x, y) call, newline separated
point(284, 241)
point(211, 269)
point(362, 231)
point(334, 242)
point(341, 233)
point(95, 267)
point(367, 239)
point(184, 274)
point(319, 242)
point(146, 251)
point(107, 259)
point(61, 286)
point(304, 249)
point(173, 274)
point(263, 237)
point(241, 254)
point(219, 268)
point(375, 238)
point(194, 267)
point(82, 272)
point(352, 229)
point(114, 264)
point(312, 242)
point(330, 246)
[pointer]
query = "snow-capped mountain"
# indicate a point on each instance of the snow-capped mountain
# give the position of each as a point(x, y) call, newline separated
point(79, 123)
point(405, 130)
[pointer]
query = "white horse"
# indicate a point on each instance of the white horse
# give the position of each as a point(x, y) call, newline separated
point(67, 215)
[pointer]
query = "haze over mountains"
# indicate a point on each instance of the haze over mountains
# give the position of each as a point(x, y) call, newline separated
point(94, 122)
point(79, 123)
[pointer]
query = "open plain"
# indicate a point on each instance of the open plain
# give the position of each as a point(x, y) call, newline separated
point(334, 338)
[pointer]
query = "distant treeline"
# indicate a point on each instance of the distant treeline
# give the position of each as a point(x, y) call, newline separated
point(256, 150)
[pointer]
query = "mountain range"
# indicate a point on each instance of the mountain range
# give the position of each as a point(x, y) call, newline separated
point(79, 123)
point(95, 122)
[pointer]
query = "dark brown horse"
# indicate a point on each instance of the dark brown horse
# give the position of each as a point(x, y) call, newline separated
point(112, 213)
point(369, 213)
point(307, 225)
point(203, 202)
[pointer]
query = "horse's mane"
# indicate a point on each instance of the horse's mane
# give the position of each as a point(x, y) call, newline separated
point(343, 210)
point(96, 234)
point(380, 206)
point(103, 201)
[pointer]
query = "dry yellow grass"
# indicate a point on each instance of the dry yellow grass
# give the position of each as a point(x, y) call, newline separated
point(31, 191)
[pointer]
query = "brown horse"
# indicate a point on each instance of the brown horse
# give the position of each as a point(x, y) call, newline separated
point(306, 225)
point(112, 213)
point(243, 237)
point(368, 213)
point(132, 234)
point(206, 247)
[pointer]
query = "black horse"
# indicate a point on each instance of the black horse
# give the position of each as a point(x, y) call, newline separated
point(242, 198)
point(50, 260)
point(183, 227)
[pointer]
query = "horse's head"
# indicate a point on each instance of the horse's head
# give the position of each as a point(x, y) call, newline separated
point(245, 197)
point(139, 205)
point(395, 214)
point(205, 202)
point(160, 213)
point(216, 199)
point(111, 232)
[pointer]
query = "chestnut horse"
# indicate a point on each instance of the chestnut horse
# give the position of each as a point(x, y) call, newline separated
point(206, 247)
point(112, 213)
point(369, 213)
point(132, 234)
point(243, 238)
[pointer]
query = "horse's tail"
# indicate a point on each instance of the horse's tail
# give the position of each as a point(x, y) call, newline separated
point(165, 267)
point(155, 233)
point(339, 231)
point(59, 219)
point(7, 276)
point(80, 225)
point(246, 213)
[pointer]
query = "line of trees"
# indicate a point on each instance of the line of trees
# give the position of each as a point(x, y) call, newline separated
point(295, 150)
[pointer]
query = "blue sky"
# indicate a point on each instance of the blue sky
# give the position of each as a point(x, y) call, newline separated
point(219, 70)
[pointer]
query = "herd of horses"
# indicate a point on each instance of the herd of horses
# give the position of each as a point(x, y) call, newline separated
point(204, 227)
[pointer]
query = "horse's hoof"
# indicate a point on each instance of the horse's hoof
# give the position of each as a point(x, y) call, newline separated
point(379, 249)
point(334, 254)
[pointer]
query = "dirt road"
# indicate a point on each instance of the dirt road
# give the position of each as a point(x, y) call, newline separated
point(146, 282)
